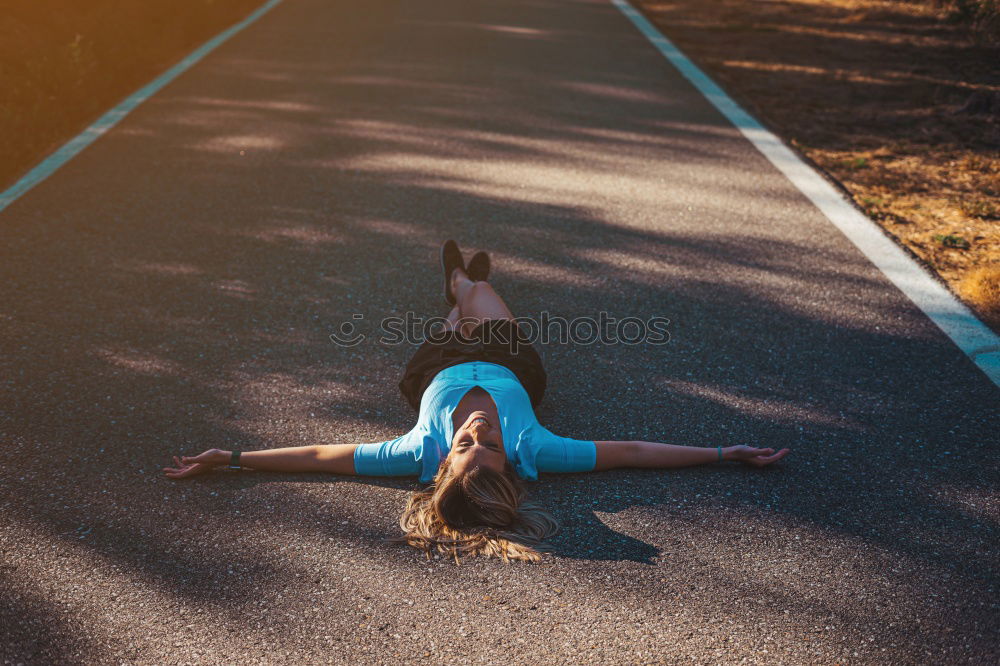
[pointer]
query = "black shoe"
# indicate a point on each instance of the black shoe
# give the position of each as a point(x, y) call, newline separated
point(479, 267)
point(451, 258)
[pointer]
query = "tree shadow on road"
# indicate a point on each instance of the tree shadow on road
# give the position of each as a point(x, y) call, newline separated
point(171, 318)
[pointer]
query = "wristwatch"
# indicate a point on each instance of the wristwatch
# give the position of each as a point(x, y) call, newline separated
point(234, 460)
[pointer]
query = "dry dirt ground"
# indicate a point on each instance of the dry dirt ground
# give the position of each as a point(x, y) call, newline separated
point(871, 91)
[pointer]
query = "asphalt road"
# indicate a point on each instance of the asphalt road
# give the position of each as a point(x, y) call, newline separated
point(173, 289)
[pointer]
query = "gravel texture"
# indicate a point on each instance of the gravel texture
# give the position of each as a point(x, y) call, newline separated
point(173, 289)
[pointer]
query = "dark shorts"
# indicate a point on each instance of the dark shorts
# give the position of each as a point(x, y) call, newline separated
point(493, 341)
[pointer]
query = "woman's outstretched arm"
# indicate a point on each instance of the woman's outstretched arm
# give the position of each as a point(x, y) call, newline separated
point(333, 458)
point(653, 454)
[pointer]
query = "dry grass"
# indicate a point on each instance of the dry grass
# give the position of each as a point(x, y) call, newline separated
point(981, 288)
point(869, 90)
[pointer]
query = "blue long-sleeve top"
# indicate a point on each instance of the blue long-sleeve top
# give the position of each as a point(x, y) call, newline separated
point(530, 447)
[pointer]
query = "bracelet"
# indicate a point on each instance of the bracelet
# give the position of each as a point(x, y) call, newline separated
point(234, 460)
point(720, 453)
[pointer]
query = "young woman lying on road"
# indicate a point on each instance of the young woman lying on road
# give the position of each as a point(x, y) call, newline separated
point(474, 387)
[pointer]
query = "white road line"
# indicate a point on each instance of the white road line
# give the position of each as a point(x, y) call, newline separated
point(971, 335)
point(72, 148)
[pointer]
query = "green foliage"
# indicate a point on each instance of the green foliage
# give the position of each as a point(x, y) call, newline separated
point(855, 163)
point(952, 241)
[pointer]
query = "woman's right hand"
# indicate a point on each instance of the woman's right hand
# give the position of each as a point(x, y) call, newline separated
point(187, 466)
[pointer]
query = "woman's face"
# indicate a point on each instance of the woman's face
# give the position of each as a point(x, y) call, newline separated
point(478, 441)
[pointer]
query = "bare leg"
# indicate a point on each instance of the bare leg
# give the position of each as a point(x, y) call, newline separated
point(451, 323)
point(477, 301)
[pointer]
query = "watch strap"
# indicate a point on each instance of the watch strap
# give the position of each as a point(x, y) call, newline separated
point(234, 460)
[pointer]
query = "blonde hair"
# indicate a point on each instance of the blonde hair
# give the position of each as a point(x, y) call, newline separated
point(479, 512)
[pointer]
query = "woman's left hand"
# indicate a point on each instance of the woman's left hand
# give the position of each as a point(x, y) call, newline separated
point(752, 455)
